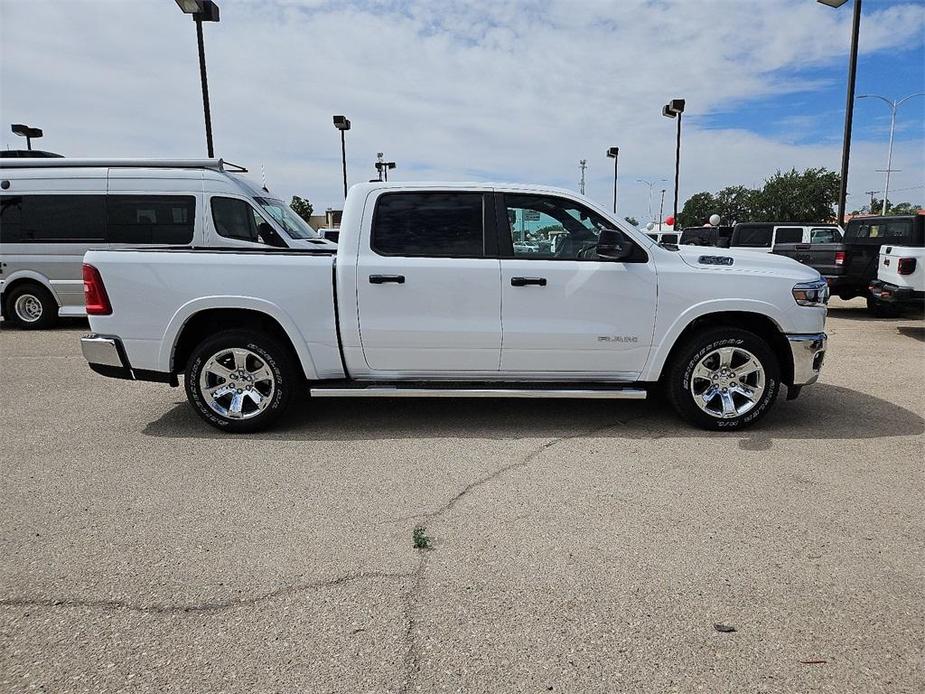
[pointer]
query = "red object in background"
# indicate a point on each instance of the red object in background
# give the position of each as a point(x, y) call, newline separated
point(669, 220)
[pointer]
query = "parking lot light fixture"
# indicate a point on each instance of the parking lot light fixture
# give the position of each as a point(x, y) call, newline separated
point(202, 11)
point(342, 123)
point(27, 132)
point(849, 101)
point(674, 109)
point(614, 153)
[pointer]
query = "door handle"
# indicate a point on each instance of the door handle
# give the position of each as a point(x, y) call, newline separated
point(524, 281)
point(383, 279)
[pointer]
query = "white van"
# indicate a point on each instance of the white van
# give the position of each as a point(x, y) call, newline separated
point(54, 210)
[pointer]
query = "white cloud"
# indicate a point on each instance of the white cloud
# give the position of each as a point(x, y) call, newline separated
point(486, 89)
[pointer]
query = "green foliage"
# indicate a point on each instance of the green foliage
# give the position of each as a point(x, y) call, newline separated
point(632, 220)
point(419, 538)
point(301, 207)
point(697, 210)
point(876, 207)
point(792, 196)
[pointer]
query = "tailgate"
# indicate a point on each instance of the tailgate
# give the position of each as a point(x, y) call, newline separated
point(902, 266)
point(826, 258)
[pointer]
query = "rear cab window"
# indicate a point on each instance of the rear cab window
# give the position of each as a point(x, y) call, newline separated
point(752, 236)
point(788, 235)
point(430, 225)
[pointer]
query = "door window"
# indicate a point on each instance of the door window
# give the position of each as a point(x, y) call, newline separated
point(824, 236)
point(789, 235)
point(166, 219)
point(237, 219)
point(547, 228)
point(429, 225)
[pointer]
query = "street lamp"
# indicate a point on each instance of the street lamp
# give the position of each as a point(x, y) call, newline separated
point(614, 153)
point(894, 104)
point(342, 123)
point(26, 132)
point(202, 11)
point(849, 101)
point(674, 109)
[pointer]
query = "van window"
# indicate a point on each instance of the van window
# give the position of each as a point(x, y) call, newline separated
point(167, 219)
point(753, 236)
point(429, 225)
point(236, 219)
point(789, 235)
point(54, 219)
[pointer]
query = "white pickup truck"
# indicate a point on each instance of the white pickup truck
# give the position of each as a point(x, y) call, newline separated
point(460, 290)
point(900, 278)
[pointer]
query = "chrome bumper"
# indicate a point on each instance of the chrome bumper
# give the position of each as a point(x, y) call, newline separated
point(104, 351)
point(808, 352)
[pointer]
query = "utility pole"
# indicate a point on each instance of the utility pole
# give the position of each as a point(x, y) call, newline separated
point(661, 210)
point(583, 164)
point(871, 193)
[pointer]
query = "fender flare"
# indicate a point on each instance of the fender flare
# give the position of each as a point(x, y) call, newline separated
point(32, 275)
point(653, 369)
point(196, 306)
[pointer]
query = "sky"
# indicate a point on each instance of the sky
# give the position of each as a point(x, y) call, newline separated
point(486, 90)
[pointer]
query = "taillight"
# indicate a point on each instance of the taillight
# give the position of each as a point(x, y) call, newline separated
point(95, 293)
point(839, 257)
point(905, 266)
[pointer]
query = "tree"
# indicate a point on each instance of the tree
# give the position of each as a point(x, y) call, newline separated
point(876, 207)
point(301, 207)
point(632, 220)
point(809, 196)
point(736, 204)
point(697, 210)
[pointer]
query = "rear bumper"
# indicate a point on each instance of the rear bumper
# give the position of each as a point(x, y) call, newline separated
point(808, 351)
point(106, 356)
point(892, 294)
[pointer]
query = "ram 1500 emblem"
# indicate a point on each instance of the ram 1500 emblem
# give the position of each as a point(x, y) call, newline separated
point(617, 338)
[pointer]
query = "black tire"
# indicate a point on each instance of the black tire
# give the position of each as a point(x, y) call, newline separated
point(882, 309)
point(275, 356)
point(689, 355)
point(35, 295)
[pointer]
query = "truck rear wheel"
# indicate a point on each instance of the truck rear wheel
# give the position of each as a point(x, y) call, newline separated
point(723, 378)
point(31, 306)
point(240, 380)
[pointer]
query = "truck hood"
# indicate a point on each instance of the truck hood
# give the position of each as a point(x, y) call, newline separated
point(709, 259)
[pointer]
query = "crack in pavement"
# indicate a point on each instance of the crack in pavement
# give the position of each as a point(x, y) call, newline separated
point(208, 607)
point(412, 659)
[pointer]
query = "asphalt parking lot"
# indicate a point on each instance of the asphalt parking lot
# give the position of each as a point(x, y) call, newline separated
point(577, 546)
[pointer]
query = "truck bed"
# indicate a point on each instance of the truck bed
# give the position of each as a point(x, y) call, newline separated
point(154, 292)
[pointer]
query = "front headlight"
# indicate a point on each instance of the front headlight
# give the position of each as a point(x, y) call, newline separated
point(811, 293)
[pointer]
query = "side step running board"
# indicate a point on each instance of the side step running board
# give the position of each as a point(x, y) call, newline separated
point(416, 392)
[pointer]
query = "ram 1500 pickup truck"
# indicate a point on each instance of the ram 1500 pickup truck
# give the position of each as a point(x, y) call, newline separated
point(460, 290)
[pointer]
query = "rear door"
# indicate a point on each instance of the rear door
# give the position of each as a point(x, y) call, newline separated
point(566, 313)
point(428, 287)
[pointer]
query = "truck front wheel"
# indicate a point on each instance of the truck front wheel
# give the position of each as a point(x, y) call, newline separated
point(240, 380)
point(723, 378)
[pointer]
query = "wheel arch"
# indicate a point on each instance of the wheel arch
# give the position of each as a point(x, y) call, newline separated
point(760, 324)
point(208, 321)
point(17, 279)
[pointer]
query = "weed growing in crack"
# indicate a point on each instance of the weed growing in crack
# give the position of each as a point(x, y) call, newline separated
point(419, 538)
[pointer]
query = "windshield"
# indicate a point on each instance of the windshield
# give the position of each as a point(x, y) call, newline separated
point(294, 225)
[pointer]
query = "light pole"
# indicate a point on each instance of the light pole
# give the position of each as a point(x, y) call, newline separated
point(894, 104)
point(26, 132)
point(614, 153)
point(849, 101)
point(202, 11)
point(651, 185)
point(661, 210)
point(674, 109)
point(342, 123)
point(582, 164)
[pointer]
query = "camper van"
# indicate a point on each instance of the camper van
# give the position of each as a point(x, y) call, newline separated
point(54, 210)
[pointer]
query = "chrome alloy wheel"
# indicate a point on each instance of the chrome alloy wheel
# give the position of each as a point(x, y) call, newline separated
point(237, 383)
point(28, 308)
point(728, 382)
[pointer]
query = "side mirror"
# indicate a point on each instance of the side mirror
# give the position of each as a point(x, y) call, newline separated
point(269, 236)
point(613, 245)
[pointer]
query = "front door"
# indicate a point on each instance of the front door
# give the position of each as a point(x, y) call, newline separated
point(428, 291)
point(566, 313)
